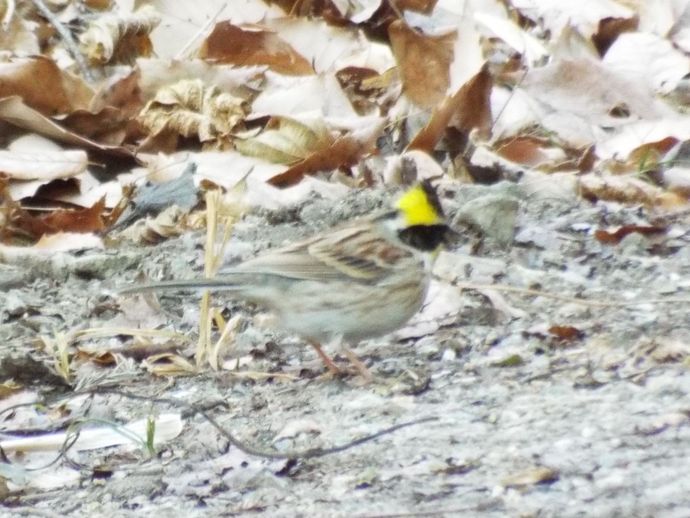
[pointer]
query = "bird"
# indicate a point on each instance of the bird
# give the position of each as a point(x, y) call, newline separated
point(363, 279)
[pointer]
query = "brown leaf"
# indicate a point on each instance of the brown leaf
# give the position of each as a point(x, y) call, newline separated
point(24, 223)
point(110, 117)
point(100, 358)
point(613, 237)
point(345, 151)
point(420, 6)
point(38, 81)
point(587, 160)
point(472, 104)
point(85, 220)
point(363, 86)
point(467, 109)
point(109, 126)
point(121, 91)
point(424, 62)
point(536, 152)
point(13, 110)
point(253, 45)
point(647, 156)
point(610, 28)
point(566, 333)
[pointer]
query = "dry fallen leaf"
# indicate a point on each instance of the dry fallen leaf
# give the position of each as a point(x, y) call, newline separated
point(38, 81)
point(367, 89)
point(14, 111)
point(120, 37)
point(628, 189)
point(169, 364)
point(343, 151)
point(42, 165)
point(469, 108)
point(566, 333)
point(77, 220)
point(613, 237)
point(190, 109)
point(535, 152)
point(253, 45)
point(531, 477)
point(84, 221)
point(285, 140)
point(424, 62)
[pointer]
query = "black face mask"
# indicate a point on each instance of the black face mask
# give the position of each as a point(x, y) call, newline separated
point(424, 237)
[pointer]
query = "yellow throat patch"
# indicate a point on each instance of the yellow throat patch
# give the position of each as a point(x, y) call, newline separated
point(417, 209)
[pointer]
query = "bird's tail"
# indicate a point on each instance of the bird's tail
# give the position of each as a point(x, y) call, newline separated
point(218, 284)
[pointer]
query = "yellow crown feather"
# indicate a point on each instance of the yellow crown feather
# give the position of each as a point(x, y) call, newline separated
point(417, 208)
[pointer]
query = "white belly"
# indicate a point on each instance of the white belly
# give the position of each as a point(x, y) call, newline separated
point(352, 312)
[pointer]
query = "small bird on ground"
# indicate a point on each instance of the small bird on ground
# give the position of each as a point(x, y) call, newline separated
point(364, 279)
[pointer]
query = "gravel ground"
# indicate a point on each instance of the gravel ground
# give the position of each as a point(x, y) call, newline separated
point(586, 419)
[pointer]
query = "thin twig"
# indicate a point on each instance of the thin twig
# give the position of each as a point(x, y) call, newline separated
point(251, 450)
point(237, 443)
point(182, 53)
point(67, 38)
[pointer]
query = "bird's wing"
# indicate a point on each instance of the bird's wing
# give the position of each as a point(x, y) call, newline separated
point(351, 253)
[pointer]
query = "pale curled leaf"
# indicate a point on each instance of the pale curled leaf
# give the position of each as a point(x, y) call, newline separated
point(357, 12)
point(327, 47)
point(44, 165)
point(343, 151)
point(189, 108)
point(286, 140)
point(119, 35)
point(302, 96)
point(513, 35)
point(627, 189)
point(554, 15)
point(169, 223)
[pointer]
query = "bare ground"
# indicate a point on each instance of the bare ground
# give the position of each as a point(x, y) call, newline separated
point(527, 422)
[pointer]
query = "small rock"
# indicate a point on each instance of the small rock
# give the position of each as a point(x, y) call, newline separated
point(493, 214)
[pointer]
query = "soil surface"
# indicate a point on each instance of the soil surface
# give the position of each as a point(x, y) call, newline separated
point(568, 398)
